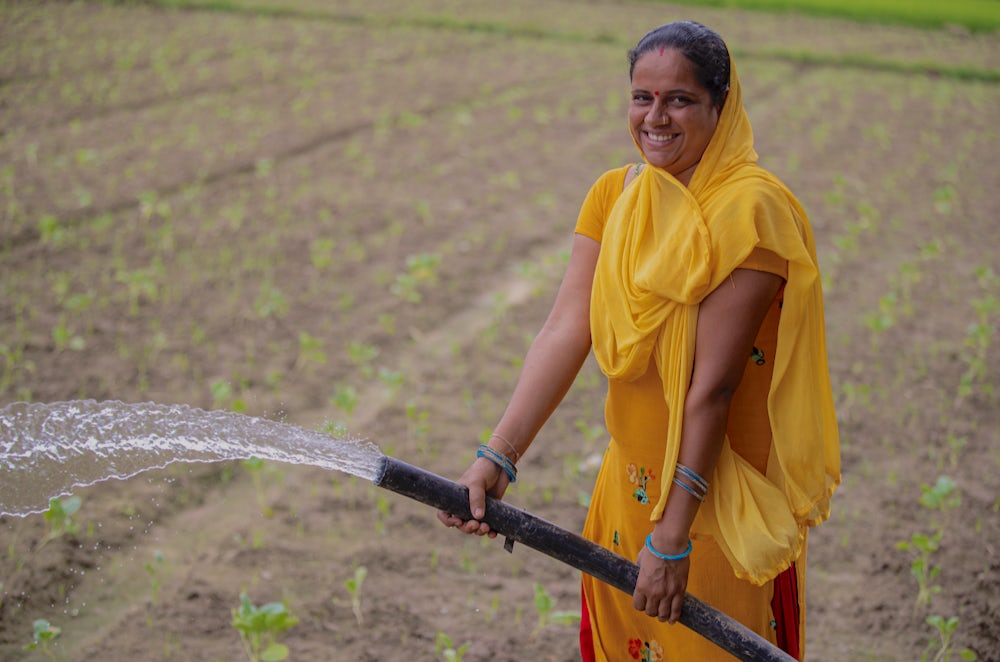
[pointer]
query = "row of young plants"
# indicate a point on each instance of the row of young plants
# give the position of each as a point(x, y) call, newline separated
point(260, 627)
point(162, 224)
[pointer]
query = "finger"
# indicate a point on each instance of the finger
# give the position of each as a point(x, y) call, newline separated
point(639, 601)
point(663, 613)
point(676, 606)
point(477, 501)
point(448, 519)
point(472, 526)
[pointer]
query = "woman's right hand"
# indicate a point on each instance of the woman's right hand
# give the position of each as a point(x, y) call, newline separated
point(482, 478)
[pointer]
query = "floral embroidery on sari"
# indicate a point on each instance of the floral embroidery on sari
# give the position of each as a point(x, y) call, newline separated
point(639, 476)
point(645, 651)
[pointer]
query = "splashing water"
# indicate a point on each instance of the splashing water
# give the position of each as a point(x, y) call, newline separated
point(48, 449)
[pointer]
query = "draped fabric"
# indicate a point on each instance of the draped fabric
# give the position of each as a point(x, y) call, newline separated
point(664, 249)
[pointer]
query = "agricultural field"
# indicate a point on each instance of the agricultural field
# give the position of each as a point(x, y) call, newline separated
point(353, 216)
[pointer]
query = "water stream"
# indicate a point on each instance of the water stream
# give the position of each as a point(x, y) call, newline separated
point(48, 449)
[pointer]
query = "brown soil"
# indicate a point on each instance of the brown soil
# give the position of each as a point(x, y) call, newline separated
point(186, 194)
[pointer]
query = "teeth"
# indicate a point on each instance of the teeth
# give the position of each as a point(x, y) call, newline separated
point(661, 139)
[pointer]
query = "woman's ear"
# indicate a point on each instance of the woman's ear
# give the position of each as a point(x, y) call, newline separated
point(725, 95)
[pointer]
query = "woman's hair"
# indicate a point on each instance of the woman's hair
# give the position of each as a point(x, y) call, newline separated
point(699, 44)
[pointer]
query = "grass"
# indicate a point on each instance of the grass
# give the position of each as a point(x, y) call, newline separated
point(977, 15)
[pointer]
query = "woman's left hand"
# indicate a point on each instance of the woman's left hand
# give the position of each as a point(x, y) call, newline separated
point(659, 591)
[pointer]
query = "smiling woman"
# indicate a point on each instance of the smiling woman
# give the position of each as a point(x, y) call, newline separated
point(677, 94)
point(672, 116)
point(694, 279)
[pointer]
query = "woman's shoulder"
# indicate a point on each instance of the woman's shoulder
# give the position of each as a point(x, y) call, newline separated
point(616, 178)
point(599, 201)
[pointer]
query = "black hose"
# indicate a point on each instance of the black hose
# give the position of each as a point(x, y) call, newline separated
point(570, 548)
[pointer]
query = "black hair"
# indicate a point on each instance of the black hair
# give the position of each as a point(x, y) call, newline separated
point(699, 44)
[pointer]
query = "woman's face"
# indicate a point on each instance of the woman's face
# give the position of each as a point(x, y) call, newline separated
point(671, 114)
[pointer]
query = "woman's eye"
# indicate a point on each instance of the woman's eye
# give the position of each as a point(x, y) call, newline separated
point(678, 101)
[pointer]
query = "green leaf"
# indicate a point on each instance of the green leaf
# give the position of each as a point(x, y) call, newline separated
point(565, 617)
point(71, 505)
point(543, 601)
point(274, 652)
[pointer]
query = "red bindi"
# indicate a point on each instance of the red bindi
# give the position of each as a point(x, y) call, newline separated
point(661, 50)
point(656, 93)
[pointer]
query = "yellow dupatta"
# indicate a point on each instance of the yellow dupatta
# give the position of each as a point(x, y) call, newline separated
point(665, 248)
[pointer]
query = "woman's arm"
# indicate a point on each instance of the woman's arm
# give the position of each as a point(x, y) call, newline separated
point(728, 322)
point(550, 366)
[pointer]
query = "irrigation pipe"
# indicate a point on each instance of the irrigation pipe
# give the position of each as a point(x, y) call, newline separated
point(570, 548)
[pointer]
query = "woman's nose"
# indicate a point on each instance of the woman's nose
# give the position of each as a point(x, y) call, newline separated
point(657, 114)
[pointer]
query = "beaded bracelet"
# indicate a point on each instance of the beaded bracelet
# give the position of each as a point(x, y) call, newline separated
point(498, 459)
point(667, 557)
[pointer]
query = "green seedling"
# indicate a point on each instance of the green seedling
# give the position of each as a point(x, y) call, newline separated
point(361, 355)
point(60, 517)
point(383, 506)
point(311, 352)
point(157, 569)
point(44, 634)
point(345, 398)
point(353, 586)
point(494, 609)
point(417, 422)
point(921, 568)
point(945, 628)
point(270, 302)
point(420, 269)
point(259, 628)
point(391, 380)
point(335, 429)
point(955, 446)
point(224, 396)
point(444, 647)
point(255, 466)
point(544, 605)
point(321, 252)
point(978, 338)
point(943, 496)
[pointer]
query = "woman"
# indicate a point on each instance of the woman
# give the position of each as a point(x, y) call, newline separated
point(693, 277)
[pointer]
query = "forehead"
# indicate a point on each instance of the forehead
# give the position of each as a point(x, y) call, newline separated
point(666, 69)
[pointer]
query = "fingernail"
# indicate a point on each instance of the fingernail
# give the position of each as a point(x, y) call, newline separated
point(478, 513)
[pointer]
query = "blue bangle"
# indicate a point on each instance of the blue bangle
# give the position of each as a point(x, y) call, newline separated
point(498, 459)
point(693, 477)
point(667, 557)
point(690, 490)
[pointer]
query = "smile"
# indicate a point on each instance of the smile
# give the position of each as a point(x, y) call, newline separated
point(661, 138)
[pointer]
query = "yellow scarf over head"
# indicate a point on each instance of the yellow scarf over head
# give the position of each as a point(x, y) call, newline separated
point(664, 249)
